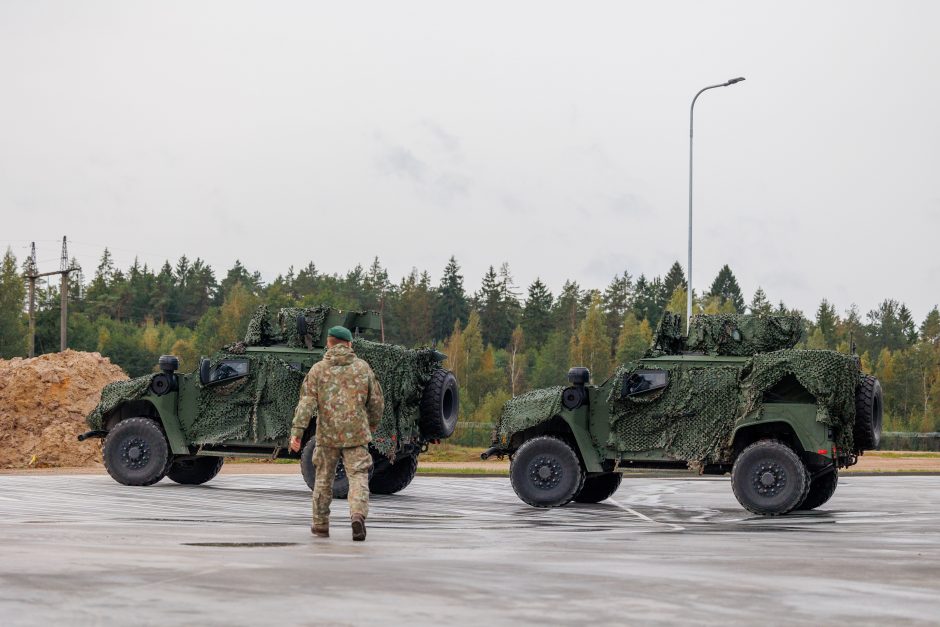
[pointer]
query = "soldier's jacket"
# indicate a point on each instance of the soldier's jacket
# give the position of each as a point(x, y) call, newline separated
point(342, 391)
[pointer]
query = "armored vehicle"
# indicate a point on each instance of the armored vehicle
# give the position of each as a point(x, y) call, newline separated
point(732, 396)
point(240, 403)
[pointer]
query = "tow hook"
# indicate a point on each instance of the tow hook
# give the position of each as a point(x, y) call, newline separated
point(493, 450)
point(95, 433)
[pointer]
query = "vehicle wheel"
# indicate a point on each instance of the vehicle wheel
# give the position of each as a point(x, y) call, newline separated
point(545, 472)
point(309, 471)
point(820, 490)
point(194, 470)
point(598, 488)
point(136, 452)
point(868, 414)
point(768, 478)
point(389, 478)
point(439, 405)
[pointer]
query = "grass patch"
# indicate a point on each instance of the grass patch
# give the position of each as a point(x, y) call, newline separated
point(904, 454)
point(445, 452)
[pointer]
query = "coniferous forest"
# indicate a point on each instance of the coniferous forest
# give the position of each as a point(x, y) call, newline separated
point(502, 340)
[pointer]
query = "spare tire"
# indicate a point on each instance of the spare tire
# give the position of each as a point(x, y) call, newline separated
point(439, 406)
point(869, 410)
point(390, 478)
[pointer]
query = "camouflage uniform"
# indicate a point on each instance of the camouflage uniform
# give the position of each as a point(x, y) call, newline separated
point(344, 395)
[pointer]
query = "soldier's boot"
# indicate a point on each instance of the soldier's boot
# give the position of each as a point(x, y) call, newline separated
point(358, 527)
point(321, 531)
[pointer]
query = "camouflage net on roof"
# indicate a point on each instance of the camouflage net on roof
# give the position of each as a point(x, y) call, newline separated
point(743, 335)
point(287, 320)
point(403, 374)
point(690, 419)
point(114, 394)
point(527, 410)
point(737, 335)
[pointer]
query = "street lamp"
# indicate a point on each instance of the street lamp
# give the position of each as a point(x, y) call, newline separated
point(688, 311)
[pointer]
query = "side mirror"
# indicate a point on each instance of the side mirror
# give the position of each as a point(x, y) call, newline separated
point(204, 372)
point(302, 325)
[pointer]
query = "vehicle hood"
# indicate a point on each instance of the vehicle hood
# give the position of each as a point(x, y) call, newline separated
point(113, 394)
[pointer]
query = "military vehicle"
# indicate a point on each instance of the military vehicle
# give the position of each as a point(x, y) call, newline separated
point(240, 403)
point(732, 396)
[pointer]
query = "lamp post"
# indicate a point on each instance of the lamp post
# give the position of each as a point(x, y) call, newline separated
point(688, 311)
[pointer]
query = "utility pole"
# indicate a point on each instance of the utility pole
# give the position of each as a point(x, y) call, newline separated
point(32, 273)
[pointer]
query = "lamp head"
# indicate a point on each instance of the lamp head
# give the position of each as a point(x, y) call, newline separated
point(734, 80)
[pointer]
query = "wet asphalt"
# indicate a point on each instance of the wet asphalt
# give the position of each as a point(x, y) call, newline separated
point(83, 550)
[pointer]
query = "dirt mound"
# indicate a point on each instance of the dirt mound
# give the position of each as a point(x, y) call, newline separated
point(43, 404)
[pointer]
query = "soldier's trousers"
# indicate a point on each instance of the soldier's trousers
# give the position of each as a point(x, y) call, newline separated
point(357, 462)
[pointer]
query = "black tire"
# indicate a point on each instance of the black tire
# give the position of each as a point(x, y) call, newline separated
point(545, 472)
point(309, 471)
point(439, 406)
point(599, 488)
point(869, 406)
point(768, 478)
point(820, 490)
point(136, 452)
point(194, 470)
point(389, 478)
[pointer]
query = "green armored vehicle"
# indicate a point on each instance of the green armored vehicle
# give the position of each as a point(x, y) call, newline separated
point(733, 396)
point(240, 403)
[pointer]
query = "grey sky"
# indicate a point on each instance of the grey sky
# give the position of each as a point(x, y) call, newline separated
point(553, 136)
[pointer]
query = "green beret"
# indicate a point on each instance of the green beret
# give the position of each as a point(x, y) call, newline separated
point(341, 333)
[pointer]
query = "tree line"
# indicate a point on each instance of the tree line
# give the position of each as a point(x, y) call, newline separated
point(501, 340)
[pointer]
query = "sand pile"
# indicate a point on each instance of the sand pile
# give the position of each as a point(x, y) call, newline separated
point(43, 404)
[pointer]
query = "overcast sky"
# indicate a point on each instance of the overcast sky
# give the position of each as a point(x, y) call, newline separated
point(552, 136)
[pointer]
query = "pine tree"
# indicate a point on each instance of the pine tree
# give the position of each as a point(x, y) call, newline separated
point(674, 280)
point(568, 308)
point(827, 321)
point(930, 328)
point(726, 288)
point(493, 321)
point(760, 305)
point(537, 313)
point(12, 296)
point(616, 301)
point(451, 303)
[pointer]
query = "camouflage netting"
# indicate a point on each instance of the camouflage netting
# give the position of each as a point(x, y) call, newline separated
point(694, 416)
point(261, 331)
point(403, 374)
point(287, 320)
point(829, 376)
point(743, 335)
point(691, 418)
point(736, 335)
point(115, 394)
point(525, 410)
point(255, 408)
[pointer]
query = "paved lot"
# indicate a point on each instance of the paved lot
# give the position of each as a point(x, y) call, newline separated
point(85, 550)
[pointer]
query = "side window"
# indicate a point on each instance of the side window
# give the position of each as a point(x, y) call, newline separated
point(229, 369)
point(642, 381)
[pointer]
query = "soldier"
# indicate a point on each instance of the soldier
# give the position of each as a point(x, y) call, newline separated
point(347, 399)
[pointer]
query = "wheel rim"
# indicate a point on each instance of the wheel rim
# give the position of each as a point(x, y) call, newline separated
point(135, 453)
point(769, 479)
point(545, 472)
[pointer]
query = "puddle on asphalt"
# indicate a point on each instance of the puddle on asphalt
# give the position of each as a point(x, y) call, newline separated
point(240, 544)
